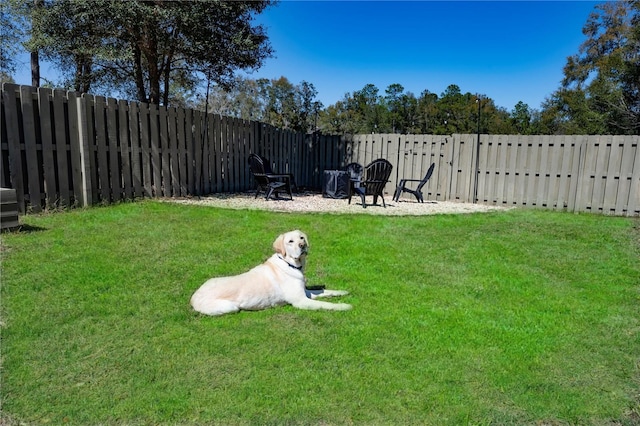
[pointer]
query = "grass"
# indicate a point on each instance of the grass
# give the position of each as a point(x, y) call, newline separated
point(523, 317)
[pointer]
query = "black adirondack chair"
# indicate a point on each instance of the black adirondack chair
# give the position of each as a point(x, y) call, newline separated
point(355, 175)
point(266, 181)
point(375, 177)
point(269, 171)
point(417, 192)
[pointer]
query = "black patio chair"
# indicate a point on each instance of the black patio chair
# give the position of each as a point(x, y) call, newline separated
point(375, 177)
point(266, 181)
point(355, 175)
point(269, 171)
point(417, 192)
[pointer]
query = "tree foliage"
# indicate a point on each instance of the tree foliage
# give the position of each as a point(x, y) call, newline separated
point(142, 48)
point(277, 102)
point(600, 92)
point(398, 111)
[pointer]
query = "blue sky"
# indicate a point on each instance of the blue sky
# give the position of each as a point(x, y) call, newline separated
point(510, 51)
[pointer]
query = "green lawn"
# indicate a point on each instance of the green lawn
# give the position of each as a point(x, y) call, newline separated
point(519, 317)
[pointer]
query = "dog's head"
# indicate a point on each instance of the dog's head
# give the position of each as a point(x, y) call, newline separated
point(293, 246)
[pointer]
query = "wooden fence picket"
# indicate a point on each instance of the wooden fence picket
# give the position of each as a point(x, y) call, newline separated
point(145, 149)
point(136, 153)
point(75, 164)
point(190, 150)
point(62, 148)
point(112, 149)
point(482, 194)
point(552, 162)
point(46, 127)
point(13, 175)
point(633, 202)
point(31, 149)
point(164, 151)
point(612, 176)
point(500, 169)
point(102, 148)
point(567, 168)
point(125, 149)
point(224, 156)
point(182, 149)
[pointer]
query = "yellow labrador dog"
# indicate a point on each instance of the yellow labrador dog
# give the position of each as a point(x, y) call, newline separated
point(278, 281)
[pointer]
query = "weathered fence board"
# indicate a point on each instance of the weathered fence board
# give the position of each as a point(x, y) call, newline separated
point(15, 180)
point(63, 149)
point(46, 132)
point(634, 183)
point(31, 151)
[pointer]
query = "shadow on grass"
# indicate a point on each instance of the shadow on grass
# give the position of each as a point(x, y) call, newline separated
point(24, 229)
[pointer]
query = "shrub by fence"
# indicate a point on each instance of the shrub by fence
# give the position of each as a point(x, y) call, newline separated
point(64, 149)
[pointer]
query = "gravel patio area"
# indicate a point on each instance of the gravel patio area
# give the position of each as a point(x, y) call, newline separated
point(315, 202)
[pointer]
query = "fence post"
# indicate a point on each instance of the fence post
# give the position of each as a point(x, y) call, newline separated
point(580, 153)
point(476, 170)
point(633, 204)
point(85, 153)
point(448, 160)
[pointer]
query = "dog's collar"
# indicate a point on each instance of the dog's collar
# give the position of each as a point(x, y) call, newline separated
point(299, 268)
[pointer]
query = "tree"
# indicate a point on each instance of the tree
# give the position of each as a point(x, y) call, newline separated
point(365, 113)
point(240, 100)
point(6, 78)
point(277, 102)
point(308, 108)
point(402, 110)
point(142, 47)
point(601, 87)
point(457, 112)
point(280, 106)
point(521, 118)
point(393, 100)
point(567, 112)
point(71, 34)
point(426, 113)
point(334, 119)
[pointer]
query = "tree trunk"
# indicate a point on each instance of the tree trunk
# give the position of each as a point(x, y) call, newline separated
point(166, 76)
point(35, 69)
point(137, 66)
point(35, 56)
point(83, 74)
point(87, 72)
point(150, 52)
point(154, 82)
point(78, 77)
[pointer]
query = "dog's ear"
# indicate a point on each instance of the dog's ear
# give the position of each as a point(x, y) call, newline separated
point(278, 245)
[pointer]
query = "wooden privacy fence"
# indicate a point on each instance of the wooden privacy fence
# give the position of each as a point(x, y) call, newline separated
point(64, 149)
point(599, 174)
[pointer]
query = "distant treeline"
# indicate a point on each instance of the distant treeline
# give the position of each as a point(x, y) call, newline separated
point(167, 53)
